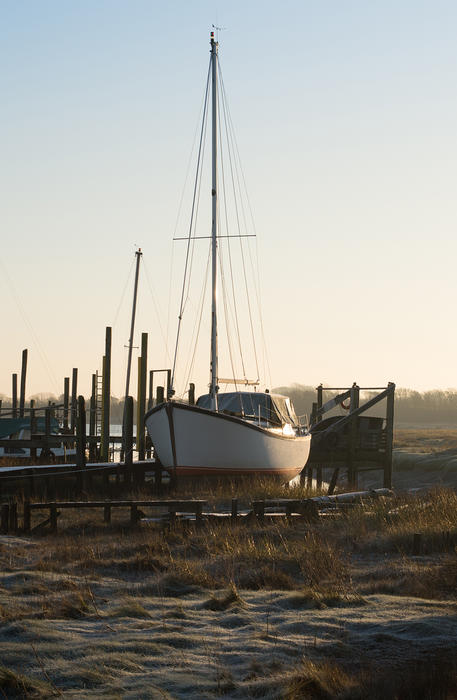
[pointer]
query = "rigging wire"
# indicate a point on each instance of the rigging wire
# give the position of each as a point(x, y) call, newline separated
point(237, 326)
point(256, 267)
point(197, 326)
point(230, 142)
point(257, 289)
point(116, 316)
point(181, 308)
point(226, 314)
point(148, 280)
point(197, 209)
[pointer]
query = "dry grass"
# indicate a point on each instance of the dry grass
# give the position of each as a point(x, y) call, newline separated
point(284, 609)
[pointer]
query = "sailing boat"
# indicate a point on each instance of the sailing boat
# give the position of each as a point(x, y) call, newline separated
point(227, 434)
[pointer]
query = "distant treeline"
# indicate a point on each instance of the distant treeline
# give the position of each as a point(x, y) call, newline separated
point(413, 407)
point(42, 400)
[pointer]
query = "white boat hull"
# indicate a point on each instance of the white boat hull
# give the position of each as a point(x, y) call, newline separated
point(193, 441)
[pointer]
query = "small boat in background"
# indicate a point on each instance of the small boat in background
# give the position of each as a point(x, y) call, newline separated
point(20, 429)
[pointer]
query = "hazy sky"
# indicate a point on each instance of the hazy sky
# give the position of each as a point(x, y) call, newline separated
point(345, 114)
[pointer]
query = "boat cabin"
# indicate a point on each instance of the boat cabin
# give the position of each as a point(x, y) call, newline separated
point(272, 409)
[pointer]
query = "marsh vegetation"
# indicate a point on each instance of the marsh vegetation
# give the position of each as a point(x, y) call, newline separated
point(339, 608)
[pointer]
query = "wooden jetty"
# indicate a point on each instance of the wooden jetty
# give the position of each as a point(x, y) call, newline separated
point(171, 511)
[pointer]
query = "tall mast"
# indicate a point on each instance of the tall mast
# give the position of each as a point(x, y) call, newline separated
point(213, 386)
point(132, 325)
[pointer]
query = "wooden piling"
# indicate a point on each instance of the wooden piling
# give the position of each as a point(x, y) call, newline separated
point(66, 403)
point(106, 395)
point(128, 438)
point(389, 436)
point(14, 406)
point(32, 427)
point(353, 438)
point(23, 380)
point(192, 393)
point(150, 390)
point(141, 398)
point(74, 400)
point(159, 395)
point(81, 443)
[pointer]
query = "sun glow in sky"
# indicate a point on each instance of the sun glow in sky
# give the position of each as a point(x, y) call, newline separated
point(345, 117)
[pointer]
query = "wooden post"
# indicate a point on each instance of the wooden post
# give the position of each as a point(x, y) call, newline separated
point(46, 450)
point(168, 383)
point(141, 399)
point(74, 401)
point(134, 514)
point(260, 511)
point(159, 395)
point(13, 517)
point(53, 517)
point(150, 390)
point(4, 518)
point(66, 402)
point(47, 422)
point(417, 543)
point(27, 517)
point(353, 439)
point(32, 426)
point(234, 509)
point(23, 379)
point(389, 436)
point(320, 393)
point(92, 419)
point(313, 416)
point(150, 405)
point(14, 411)
point(198, 515)
point(192, 393)
point(333, 480)
point(128, 438)
point(106, 395)
point(81, 443)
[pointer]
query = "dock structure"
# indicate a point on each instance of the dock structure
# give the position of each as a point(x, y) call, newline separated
point(357, 442)
point(27, 517)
